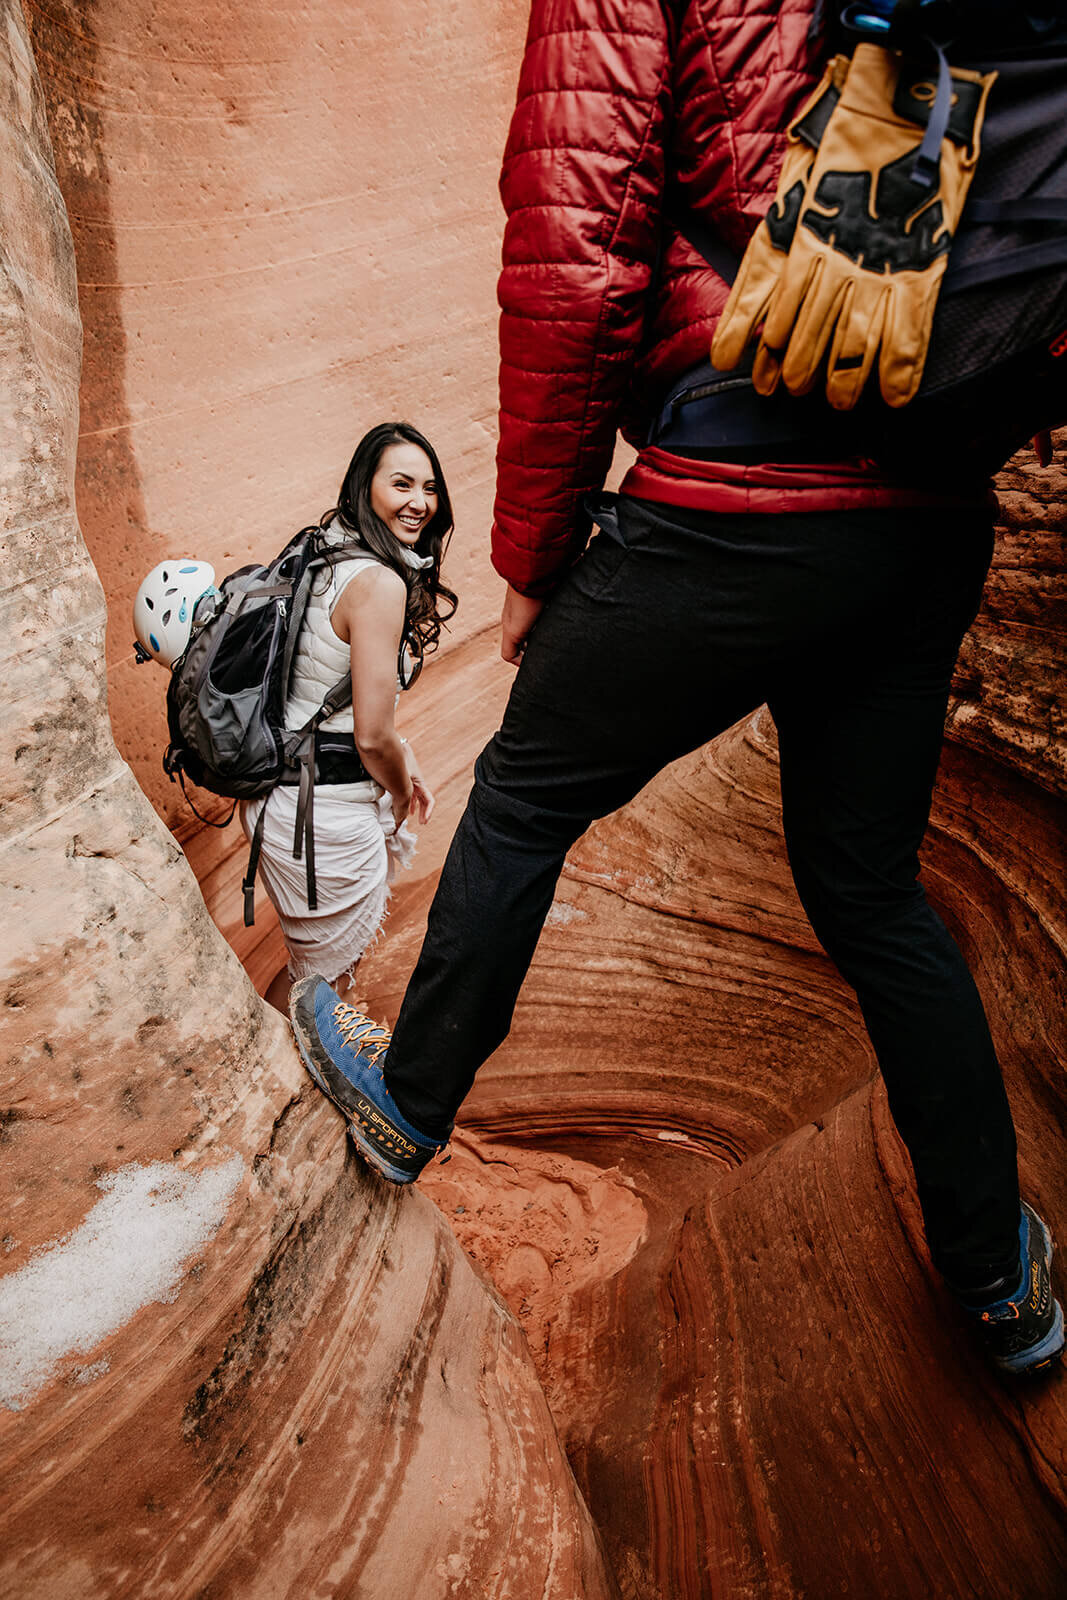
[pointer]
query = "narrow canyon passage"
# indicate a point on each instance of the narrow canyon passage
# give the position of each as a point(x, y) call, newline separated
point(701, 1350)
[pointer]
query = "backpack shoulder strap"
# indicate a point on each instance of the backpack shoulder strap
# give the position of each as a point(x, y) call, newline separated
point(296, 616)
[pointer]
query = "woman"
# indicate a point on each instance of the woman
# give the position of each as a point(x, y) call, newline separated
point(379, 609)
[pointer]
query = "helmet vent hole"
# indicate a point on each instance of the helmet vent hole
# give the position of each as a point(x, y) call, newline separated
point(149, 604)
point(165, 617)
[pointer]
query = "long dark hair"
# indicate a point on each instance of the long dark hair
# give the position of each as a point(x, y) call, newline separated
point(430, 603)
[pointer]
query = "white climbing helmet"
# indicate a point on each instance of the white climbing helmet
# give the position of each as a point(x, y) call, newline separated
point(163, 609)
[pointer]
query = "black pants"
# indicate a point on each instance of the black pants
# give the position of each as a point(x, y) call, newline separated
point(672, 626)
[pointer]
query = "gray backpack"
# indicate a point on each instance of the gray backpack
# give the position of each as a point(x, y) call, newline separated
point(227, 694)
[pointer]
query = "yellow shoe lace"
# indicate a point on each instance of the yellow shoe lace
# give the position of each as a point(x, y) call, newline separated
point(361, 1033)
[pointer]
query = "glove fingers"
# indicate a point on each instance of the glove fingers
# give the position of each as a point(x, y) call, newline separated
point(827, 301)
point(791, 294)
point(747, 302)
point(856, 340)
point(905, 342)
point(766, 370)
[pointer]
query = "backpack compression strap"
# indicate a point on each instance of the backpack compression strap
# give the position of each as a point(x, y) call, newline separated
point(1033, 210)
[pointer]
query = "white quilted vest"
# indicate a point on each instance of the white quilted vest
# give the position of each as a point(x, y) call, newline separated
point(321, 658)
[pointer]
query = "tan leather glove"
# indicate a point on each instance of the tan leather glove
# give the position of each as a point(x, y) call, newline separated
point(870, 249)
point(765, 257)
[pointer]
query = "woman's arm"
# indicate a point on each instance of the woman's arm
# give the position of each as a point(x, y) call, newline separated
point(369, 617)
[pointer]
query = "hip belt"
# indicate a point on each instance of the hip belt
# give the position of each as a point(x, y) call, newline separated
point(718, 416)
point(336, 761)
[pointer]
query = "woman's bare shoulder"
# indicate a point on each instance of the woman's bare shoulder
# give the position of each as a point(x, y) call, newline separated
point(373, 598)
point(373, 583)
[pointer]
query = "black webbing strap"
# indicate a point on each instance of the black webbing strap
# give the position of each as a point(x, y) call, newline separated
point(1030, 208)
point(1034, 256)
point(304, 743)
point(191, 803)
point(238, 596)
point(1009, 264)
point(298, 605)
point(248, 883)
point(304, 835)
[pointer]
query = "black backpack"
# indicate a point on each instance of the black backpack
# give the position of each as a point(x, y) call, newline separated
point(996, 369)
point(227, 693)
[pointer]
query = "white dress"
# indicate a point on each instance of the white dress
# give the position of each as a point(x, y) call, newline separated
point(357, 847)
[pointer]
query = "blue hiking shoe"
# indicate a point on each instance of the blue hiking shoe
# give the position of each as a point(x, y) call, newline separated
point(1023, 1329)
point(344, 1051)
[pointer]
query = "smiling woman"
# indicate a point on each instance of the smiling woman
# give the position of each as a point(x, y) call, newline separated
point(403, 491)
point(378, 609)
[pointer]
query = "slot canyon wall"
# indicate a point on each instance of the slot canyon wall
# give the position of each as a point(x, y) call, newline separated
point(233, 1363)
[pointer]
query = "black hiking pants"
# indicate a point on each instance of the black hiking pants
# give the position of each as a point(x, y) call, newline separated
point(671, 627)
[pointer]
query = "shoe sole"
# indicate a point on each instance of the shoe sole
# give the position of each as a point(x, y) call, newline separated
point(371, 1156)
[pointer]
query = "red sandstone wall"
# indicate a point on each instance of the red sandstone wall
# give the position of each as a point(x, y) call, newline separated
point(286, 228)
point(679, 1169)
point(230, 1362)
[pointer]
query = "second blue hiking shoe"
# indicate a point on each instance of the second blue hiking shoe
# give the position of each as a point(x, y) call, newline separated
point(1022, 1327)
point(344, 1052)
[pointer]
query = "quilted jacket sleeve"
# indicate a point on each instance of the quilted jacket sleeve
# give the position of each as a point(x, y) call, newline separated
point(581, 184)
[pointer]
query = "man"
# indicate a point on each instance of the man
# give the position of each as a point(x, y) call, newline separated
point(811, 581)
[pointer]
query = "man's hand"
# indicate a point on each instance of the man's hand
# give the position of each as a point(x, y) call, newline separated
point(520, 613)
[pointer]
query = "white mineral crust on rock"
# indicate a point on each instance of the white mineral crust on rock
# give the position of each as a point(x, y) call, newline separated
point(130, 1250)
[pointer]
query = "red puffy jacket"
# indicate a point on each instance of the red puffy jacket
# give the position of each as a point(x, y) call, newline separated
point(613, 93)
point(605, 90)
